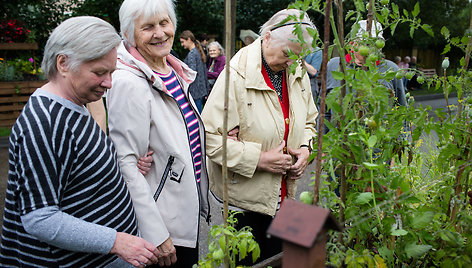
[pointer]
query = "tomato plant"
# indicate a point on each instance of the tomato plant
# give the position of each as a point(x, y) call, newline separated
point(227, 241)
point(400, 191)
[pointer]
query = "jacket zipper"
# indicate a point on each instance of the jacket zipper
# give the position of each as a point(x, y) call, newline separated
point(208, 216)
point(164, 177)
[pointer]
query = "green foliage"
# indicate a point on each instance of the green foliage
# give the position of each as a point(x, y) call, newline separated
point(404, 203)
point(8, 72)
point(226, 243)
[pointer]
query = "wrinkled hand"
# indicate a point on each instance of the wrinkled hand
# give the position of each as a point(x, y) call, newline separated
point(275, 161)
point(167, 253)
point(233, 134)
point(134, 250)
point(301, 154)
point(144, 163)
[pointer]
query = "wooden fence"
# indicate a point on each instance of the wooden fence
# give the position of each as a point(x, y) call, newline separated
point(13, 97)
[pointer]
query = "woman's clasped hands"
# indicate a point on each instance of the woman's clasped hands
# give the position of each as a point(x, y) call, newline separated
point(277, 162)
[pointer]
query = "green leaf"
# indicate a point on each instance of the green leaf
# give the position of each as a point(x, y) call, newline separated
point(405, 12)
point(395, 9)
point(372, 141)
point(399, 232)
point(445, 32)
point(337, 75)
point(386, 253)
point(222, 242)
point(364, 198)
point(422, 220)
point(242, 249)
point(371, 166)
point(256, 253)
point(416, 10)
point(416, 251)
point(393, 27)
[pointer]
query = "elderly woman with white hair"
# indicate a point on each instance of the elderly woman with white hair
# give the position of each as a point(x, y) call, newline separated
point(150, 109)
point(217, 61)
point(274, 112)
point(67, 204)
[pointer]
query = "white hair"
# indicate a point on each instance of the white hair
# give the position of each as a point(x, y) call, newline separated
point(131, 10)
point(375, 30)
point(218, 46)
point(81, 39)
point(284, 31)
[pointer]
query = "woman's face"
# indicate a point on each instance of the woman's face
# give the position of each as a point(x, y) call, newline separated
point(154, 36)
point(91, 79)
point(214, 52)
point(276, 52)
point(186, 43)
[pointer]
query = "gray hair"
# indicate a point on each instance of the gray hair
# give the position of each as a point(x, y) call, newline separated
point(217, 45)
point(285, 31)
point(81, 39)
point(131, 10)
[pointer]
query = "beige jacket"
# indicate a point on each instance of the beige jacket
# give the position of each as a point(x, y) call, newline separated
point(255, 109)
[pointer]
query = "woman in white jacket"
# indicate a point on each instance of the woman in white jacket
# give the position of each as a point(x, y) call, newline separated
point(150, 109)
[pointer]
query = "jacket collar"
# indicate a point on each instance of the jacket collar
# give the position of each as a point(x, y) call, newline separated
point(249, 66)
point(130, 59)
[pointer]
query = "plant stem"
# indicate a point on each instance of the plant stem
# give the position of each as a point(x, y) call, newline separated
point(373, 188)
point(446, 95)
point(322, 105)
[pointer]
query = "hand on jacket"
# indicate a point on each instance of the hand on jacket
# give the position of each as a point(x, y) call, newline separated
point(297, 169)
point(233, 134)
point(167, 253)
point(134, 250)
point(275, 161)
point(144, 163)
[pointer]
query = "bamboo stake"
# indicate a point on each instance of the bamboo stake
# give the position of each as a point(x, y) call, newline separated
point(229, 47)
point(322, 103)
point(230, 8)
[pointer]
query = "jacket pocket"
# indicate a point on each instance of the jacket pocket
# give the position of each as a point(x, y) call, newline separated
point(173, 171)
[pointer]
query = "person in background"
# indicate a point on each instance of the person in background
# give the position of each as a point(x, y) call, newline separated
point(150, 109)
point(203, 39)
point(413, 84)
point(398, 61)
point(312, 64)
point(248, 36)
point(274, 114)
point(196, 60)
point(217, 62)
point(67, 204)
point(413, 63)
point(355, 59)
point(405, 65)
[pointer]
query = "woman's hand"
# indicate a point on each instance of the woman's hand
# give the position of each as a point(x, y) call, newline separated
point(144, 163)
point(275, 161)
point(301, 154)
point(167, 253)
point(233, 134)
point(134, 250)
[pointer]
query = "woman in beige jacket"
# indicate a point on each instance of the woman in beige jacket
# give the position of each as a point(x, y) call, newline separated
point(273, 111)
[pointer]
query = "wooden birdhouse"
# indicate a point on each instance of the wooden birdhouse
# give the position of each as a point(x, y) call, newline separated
point(304, 231)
